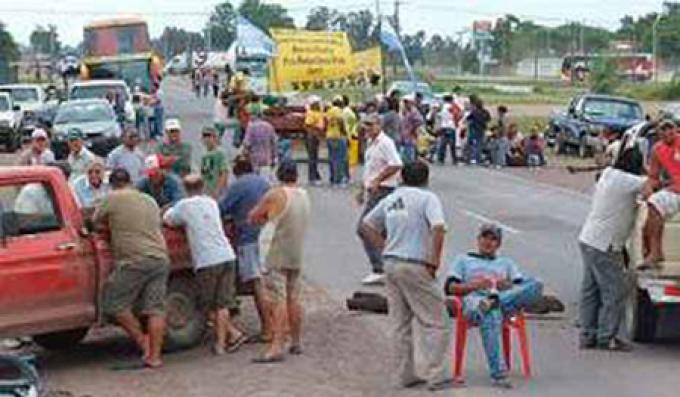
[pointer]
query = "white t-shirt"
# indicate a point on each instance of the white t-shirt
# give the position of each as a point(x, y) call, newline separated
point(446, 116)
point(201, 217)
point(612, 215)
point(380, 154)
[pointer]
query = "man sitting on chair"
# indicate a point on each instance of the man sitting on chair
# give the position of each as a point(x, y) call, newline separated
point(492, 288)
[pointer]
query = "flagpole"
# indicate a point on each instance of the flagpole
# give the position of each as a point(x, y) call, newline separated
point(383, 71)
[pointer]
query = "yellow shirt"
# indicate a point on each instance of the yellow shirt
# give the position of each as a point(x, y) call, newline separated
point(334, 122)
point(314, 118)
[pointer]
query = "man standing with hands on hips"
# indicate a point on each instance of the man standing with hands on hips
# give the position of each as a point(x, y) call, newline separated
point(381, 175)
point(413, 221)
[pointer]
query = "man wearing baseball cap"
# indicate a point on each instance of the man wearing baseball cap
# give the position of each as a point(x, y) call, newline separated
point(39, 153)
point(165, 187)
point(128, 156)
point(492, 288)
point(173, 147)
point(79, 157)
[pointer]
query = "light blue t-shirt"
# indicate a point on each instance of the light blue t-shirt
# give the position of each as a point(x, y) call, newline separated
point(470, 267)
point(408, 215)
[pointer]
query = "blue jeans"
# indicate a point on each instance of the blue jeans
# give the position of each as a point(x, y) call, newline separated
point(491, 322)
point(447, 140)
point(337, 154)
point(408, 152)
point(374, 254)
point(284, 150)
point(475, 143)
point(157, 127)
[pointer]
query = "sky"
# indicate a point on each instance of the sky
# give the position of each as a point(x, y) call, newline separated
point(446, 17)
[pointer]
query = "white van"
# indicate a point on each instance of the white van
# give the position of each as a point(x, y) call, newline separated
point(93, 89)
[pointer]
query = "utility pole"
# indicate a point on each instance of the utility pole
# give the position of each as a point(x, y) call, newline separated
point(655, 49)
point(383, 77)
point(397, 30)
point(581, 38)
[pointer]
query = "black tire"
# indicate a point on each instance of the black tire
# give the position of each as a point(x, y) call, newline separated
point(641, 317)
point(13, 143)
point(186, 320)
point(61, 340)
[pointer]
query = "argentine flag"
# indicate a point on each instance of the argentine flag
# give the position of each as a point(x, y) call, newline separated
point(389, 37)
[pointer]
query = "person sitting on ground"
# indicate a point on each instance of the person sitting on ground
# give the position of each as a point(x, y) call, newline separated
point(213, 257)
point(39, 153)
point(534, 147)
point(165, 187)
point(285, 211)
point(409, 227)
point(173, 148)
point(516, 158)
point(664, 200)
point(492, 288)
point(141, 265)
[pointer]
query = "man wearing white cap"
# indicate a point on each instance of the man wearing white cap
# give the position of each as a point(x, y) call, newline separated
point(39, 153)
point(174, 148)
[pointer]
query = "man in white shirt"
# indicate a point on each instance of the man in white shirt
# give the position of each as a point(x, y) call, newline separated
point(91, 188)
point(450, 115)
point(213, 256)
point(602, 241)
point(79, 157)
point(381, 176)
point(39, 153)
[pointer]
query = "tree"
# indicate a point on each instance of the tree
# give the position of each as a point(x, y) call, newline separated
point(9, 50)
point(322, 18)
point(221, 28)
point(265, 15)
point(174, 41)
point(359, 25)
point(413, 46)
point(45, 41)
point(604, 78)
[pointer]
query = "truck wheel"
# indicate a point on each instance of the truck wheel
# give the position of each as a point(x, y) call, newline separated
point(186, 320)
point(583, 148)
point(641, 317)
point(61, 340)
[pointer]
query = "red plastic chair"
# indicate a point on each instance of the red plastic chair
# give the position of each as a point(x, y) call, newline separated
point(516, 322)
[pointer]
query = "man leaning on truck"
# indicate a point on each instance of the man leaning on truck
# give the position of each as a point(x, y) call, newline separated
point(141, 268)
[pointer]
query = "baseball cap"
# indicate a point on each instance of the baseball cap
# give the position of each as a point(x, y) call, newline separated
point(371, 119)
point(491, 229)
point(75, 134)
point(209, 130)
point(39, 133)
point(173, 124)
point(313, 99)
point(156, 162)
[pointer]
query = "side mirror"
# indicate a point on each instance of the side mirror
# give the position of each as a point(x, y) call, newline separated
point(16, 108)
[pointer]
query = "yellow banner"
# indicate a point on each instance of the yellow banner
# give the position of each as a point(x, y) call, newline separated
point(368, 61)
point(309, 59)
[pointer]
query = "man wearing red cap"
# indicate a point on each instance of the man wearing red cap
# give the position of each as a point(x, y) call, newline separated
point(164, 187)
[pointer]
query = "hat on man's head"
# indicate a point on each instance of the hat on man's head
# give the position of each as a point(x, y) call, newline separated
point(75, 134)
point(173, 124)
point(154, 163)
point(39, 133)
point(492, 230)
point(372, 118)
point(409, 98)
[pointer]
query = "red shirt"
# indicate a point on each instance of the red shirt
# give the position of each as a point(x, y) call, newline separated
point(668, 158)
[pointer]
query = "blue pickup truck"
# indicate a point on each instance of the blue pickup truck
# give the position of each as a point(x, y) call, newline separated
point(587, 118)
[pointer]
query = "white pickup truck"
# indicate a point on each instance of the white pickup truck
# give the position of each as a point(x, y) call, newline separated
point(655, 297)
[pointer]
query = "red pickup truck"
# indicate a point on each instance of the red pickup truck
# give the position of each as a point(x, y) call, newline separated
point(53, 268)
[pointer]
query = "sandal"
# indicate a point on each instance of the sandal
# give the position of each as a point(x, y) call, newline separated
point(295, 350)
point(269, 359)
point(235, 345)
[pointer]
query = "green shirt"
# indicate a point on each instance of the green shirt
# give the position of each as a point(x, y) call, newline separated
point(182, 154)
point(213, 164)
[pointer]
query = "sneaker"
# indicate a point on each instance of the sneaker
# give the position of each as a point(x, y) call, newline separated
point(443, 385)
point(615, 345)
point(502, 382)
point(373, 278)
point(587, 344)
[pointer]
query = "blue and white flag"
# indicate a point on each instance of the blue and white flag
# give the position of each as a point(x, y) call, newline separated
point(389, 37)
point(252, 40)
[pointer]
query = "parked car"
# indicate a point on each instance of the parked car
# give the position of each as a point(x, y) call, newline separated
point(95, 118)
point(409, 87)
point(29, 97)
point(53, 269)
point(10, 120)
point(100, 88)
point(588, 119)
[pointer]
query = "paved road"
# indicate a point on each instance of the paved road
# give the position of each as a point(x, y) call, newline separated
point(346, 353)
